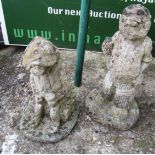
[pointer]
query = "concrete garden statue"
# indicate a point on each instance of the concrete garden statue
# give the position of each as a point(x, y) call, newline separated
point(51, 113)
point(129, 53)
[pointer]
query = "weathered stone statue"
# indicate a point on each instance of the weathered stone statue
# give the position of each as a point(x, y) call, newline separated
point(129, 53)
point(53, 113)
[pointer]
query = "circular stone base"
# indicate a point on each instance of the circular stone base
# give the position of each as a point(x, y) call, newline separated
point(42, 132)
point(106, 113)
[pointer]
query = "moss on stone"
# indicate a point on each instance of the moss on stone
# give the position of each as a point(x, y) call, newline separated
point(146, 142)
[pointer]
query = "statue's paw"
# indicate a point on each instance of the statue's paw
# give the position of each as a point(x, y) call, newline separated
point(34, 123)
point(108, 94)
point(54, 126)
point(66, 113)
point(122, 102)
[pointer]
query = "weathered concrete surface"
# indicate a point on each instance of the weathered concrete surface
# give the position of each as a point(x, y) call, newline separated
point(87, 136)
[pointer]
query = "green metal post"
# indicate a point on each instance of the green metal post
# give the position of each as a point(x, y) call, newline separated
point(83, 28)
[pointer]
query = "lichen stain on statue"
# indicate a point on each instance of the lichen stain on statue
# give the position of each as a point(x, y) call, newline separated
point(51, 113)
point(129, 53)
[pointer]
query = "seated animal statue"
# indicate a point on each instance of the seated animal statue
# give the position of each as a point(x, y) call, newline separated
point(54, 96)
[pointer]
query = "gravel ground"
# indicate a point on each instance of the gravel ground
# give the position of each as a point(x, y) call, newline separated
point(87, 136)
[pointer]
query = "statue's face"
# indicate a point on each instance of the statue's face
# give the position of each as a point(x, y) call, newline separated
point(41, 57)
point(135, 22)
point(41, 53)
